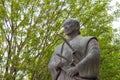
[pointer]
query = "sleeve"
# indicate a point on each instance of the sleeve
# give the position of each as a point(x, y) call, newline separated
point(89, 65)
point(53, 65)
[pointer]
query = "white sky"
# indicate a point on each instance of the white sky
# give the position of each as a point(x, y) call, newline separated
point(116, 23)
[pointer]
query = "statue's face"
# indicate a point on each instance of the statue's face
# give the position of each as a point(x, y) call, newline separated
point(69, 28)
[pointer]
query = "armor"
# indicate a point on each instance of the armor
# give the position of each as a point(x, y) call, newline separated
point(86, 58)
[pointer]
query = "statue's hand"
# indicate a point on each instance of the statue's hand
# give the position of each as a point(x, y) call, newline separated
point(72, 71)
point(59, 65)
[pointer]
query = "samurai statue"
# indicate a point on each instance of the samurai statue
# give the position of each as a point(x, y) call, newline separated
point(77, 58)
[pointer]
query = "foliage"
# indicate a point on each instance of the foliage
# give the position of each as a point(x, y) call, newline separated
point(29, 34)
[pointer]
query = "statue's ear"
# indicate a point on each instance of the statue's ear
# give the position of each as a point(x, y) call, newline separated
point(77, 28)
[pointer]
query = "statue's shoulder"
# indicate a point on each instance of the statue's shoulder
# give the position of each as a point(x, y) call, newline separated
point(88, 38)
point(84, 40)
point(57, 48)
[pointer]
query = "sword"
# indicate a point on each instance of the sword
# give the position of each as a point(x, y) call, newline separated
point(70, 63)
point(74, 51)
point(73, 64)
point(66, 42)
point(62, 68)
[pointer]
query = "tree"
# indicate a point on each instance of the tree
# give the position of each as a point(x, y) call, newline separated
point(28, 33)
point(110, 61)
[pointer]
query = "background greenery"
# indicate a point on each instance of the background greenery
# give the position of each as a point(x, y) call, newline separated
point(28, 35)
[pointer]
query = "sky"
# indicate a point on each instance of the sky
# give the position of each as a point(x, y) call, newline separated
point(116, 23)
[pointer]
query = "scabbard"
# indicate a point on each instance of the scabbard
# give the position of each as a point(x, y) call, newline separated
point(57, 75)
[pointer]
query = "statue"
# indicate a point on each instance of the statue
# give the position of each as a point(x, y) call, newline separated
point(77, 58)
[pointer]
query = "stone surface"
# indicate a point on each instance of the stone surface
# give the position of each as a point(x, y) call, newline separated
point(77, 58)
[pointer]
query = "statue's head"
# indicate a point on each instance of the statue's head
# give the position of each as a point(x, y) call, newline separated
point(71, 26)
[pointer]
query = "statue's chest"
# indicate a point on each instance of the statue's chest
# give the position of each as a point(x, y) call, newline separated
point(68, 52)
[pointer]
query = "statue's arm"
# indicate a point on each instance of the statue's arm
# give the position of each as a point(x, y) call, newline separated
point(91, 59)
point(53, 65)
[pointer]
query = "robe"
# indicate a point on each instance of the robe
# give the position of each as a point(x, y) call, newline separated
point(86, 58)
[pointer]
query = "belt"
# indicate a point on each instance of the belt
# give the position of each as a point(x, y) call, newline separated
point(90, 78)
point(86, 78)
